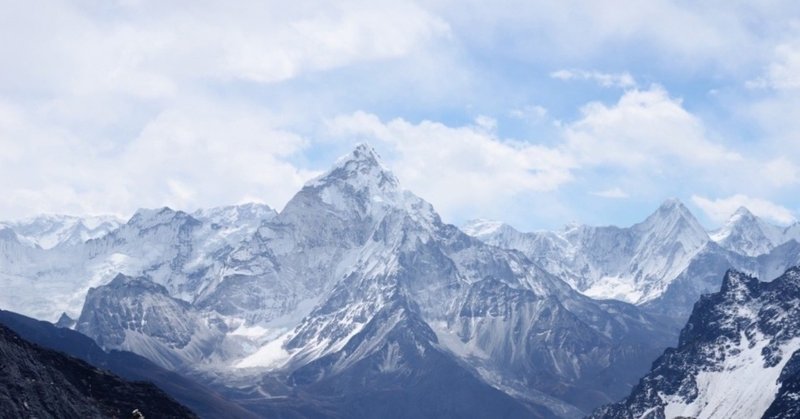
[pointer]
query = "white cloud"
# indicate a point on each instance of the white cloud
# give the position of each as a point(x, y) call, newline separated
point(725, 37)
point(149, 48)
point(486, 123)
point(215, 155)
point(146, 103)
point(783, 73)
point(779, 172)
point(140, 103)
point(645, 142)
point(458, 168)
point(623, 80)
point(645, 130)
point(190, 155)
point(719, 210)
point(530, 113)
point(616, 193)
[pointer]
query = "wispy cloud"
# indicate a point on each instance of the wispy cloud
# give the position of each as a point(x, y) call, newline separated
point(191, 155)
point(645, 129)
point(623, 80)
point(615, 193)
point(531, 113)
point(783, 72)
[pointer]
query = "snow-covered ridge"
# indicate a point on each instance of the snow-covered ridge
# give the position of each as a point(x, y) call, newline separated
point(51, 230)
point(482, 227)
point(750, 235)
point(634, 264)
point(731, 358)
point(43, 280)
point(362, 168)
point(639, 264)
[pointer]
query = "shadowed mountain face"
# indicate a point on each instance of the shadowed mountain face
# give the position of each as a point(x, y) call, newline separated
point(37, 382)
point(127, 365)
point(737, 357)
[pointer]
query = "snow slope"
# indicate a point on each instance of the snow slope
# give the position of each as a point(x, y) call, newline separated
point(732, 356)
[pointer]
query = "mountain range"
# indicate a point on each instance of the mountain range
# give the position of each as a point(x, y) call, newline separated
point(663, 264)
point(357, 300)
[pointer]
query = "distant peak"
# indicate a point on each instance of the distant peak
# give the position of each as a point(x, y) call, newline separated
point(364, 151)
point(362, 155)
point(742, 212)
point(122, 281)
point(481, 227)
point(674, 219)
point(670, 209)
point(152, 212)
point(147, 218)
point(361, 167)
point(672, 204)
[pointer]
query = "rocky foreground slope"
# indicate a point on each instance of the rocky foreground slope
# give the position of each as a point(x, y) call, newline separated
point(41, 383)
point(738, 357)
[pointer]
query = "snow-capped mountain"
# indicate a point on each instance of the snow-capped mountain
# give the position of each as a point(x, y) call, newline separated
point(634, 264)
point(746, 234)
point(355, 284)
point(48, 231)
point(138, 315)
point(663, 264)
point(738, 357)
point(400, 274)
point(171, 247)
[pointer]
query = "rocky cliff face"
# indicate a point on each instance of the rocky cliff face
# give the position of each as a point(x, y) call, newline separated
point(736, 356)
point(129, 366)
point(37, 382)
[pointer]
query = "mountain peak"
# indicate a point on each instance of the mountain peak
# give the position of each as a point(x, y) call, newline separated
point(364, 151)
point(671, 209)
point(363, 155)
point(742, 212)
point(671, 205)
point(737, 282)
point(747, 234)
point(670, 214)
point(361, 169)
point(146, 218)
point(482, 227)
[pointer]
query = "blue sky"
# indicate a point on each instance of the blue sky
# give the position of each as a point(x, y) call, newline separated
point(538, 113)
